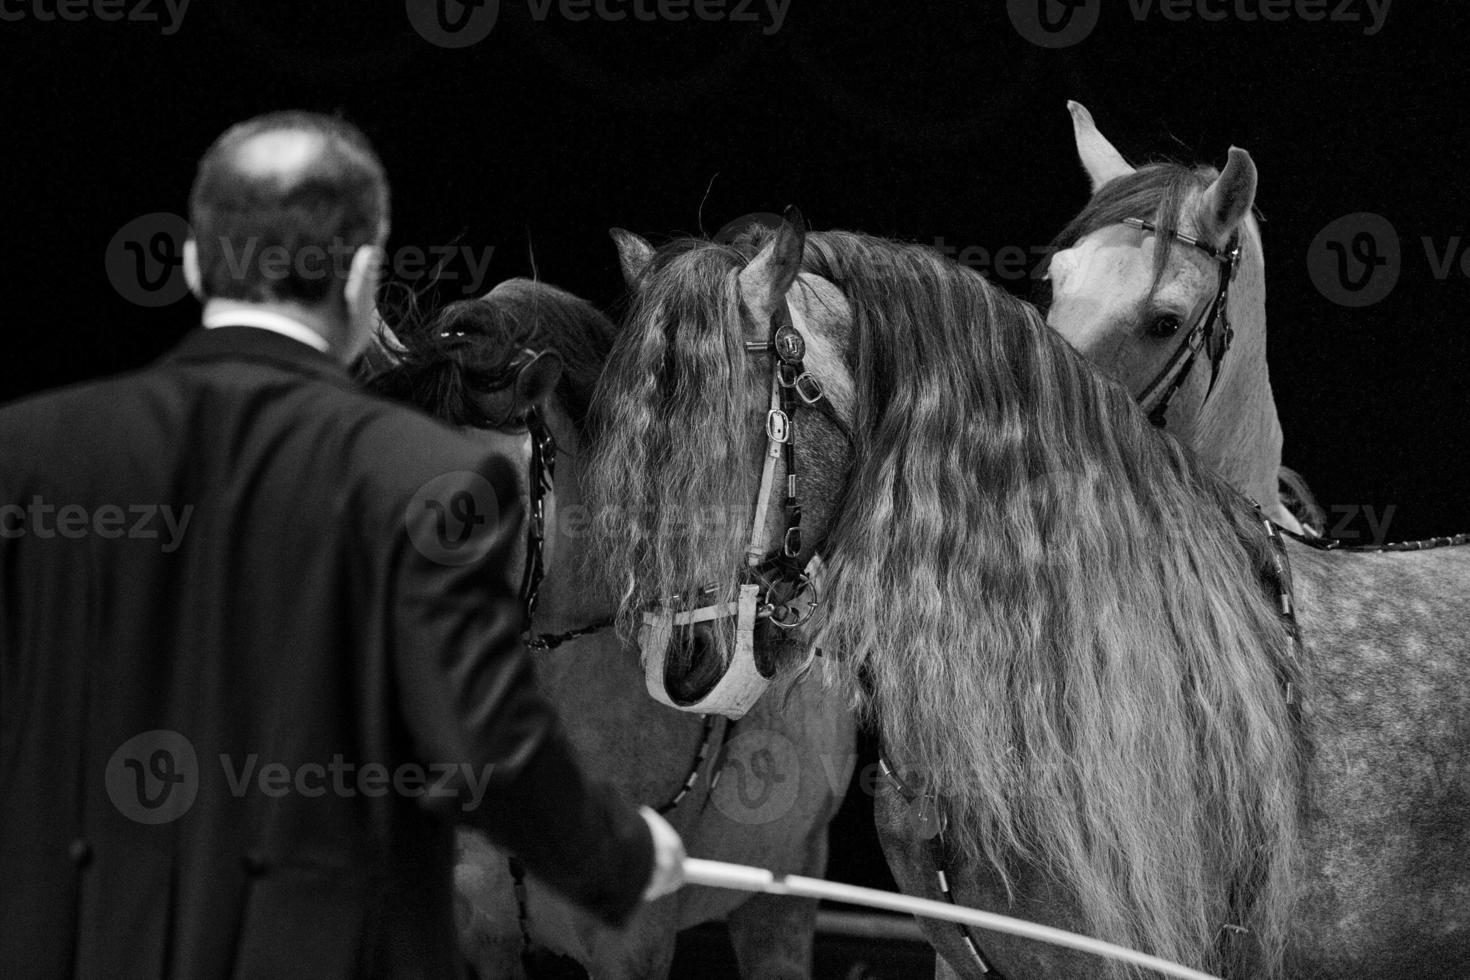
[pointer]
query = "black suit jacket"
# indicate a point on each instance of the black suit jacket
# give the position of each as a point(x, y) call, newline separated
point(225, 555)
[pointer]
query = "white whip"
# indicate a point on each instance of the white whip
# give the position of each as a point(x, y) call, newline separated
point(739, 877)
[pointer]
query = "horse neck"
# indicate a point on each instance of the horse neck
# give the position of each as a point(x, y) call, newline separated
point(1239, 434)
point(565, 600)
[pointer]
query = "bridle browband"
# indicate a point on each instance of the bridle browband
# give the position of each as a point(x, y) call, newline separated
point(1203, 335)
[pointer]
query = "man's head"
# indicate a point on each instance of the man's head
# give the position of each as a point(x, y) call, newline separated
point(290, 210)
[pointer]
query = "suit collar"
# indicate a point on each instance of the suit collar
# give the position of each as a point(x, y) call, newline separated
point(267, 320)
point(230, 343)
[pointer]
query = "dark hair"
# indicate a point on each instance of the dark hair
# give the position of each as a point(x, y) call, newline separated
point(473, 346)
point(286, 234)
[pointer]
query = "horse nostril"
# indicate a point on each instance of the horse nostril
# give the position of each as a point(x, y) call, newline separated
point(695, 668)
point(698, 644)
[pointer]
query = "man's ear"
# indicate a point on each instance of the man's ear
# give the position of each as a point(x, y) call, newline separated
point(192, 275)
point(363, 276)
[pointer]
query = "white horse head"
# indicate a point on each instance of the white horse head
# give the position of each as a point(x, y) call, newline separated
point(1128, 298)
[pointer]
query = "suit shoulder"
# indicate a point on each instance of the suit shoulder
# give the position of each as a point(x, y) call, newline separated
point(397, 448)
point(33, 417)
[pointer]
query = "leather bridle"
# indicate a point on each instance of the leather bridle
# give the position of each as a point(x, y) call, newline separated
point(542, 481)
point(782, 588)
point(1212, 332)
point(777, 584)
point(780, 574)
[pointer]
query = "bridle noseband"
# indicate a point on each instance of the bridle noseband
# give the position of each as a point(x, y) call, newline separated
point(1203, 335)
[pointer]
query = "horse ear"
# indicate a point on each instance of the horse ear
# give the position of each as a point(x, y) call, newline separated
point(634, 253)
point(1100, 159)
point(537, 380)
point(1229, 199)
point(765, 280)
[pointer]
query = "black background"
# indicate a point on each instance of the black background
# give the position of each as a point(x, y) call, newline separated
point(933, 121)
point(926, 121)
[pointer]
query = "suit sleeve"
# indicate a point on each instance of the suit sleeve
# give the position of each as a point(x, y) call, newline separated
point(469, 696)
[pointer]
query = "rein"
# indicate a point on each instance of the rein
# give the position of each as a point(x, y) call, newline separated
point(1203, 335)
point(1424, 544)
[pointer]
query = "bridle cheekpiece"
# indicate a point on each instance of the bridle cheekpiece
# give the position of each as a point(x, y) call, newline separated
point(1203, 335)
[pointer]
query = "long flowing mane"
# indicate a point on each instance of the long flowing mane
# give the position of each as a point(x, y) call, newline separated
point(1057, 612)
point(1061, 616)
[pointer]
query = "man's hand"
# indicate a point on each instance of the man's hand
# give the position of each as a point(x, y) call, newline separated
point(668, 857)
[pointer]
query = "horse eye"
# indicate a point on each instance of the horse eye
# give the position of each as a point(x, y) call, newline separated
point(1164, 325)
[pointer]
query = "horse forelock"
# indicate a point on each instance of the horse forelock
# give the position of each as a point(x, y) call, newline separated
point(1158, 192)
point(1061, 616)
point(671, 478)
